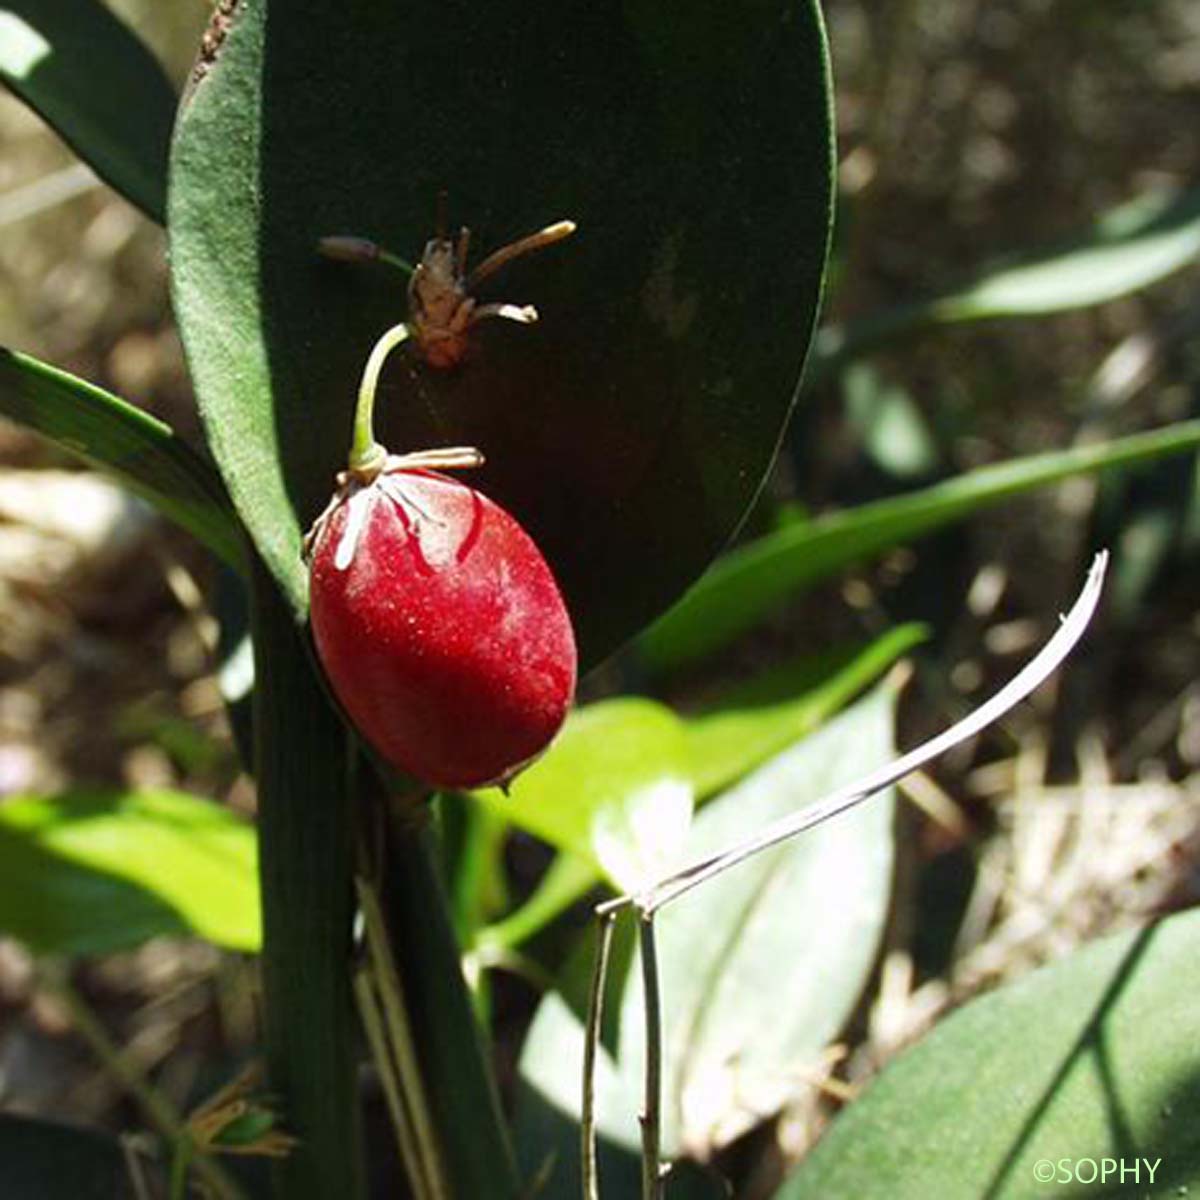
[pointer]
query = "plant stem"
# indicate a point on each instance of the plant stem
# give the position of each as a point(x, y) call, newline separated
point(430, 1171)
point(371, 1013)
point(365, 452)
point(457, 1084)
point(137, 1173)
point(595, 1020)
point(652, 1178)
point(306, 867)
point(177, 1187)
point(478, 887)
point(157, 1110)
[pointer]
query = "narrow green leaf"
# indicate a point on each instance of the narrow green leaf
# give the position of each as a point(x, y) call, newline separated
point(1093, 1058)
point(887, 424)
point(628, 430)
point(53, 1161)
point(141, 451)
point(98, 87)
point(1132, 247)
point(761, 968)
point(1129, 248)
point(566, 879)
point(755, 721)
point(89, 872)
point(753, 581)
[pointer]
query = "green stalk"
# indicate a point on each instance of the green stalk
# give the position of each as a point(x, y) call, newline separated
point(651, 1118)
point(182, 1159)
point(459, 1088)
point(366, 454)
point(306, 867)
point(418, 1141)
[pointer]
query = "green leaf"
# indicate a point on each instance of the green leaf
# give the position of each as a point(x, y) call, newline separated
point(1094, 1057)
point(887, 424)
point(1129, 248)
point(53, 1161)
point(614, 790)
point(630, 428)
point(761, 968)
point(138, 449)
point(566, 879)
point(756, 579)
point(738, 733)
point(98, 87)
point(89, 872)
point(472, 839)
point(752, 722)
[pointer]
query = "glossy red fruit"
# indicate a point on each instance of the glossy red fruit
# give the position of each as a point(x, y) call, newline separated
point(440, 627)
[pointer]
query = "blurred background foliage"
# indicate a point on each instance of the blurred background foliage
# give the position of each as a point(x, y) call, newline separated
point(968, 133)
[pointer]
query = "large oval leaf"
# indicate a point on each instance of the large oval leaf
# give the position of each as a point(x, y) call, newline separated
point(760, 968)
point(98, 87)
point(630, 428)
point(1093, 1058)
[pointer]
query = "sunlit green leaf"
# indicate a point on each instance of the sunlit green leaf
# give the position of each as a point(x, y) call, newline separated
point(754, 580)
point(566, 879)
point(88, 872)
point(141, 451)
point(1093, 1058)
point(730, 738)
point(752, 722)
point(99, 88)
point(887, 423)
point(614, 790)
point(760, 968)
point(1129, 248)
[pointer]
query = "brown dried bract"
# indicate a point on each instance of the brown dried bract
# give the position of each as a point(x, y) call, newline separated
point(441, 307)
point(214, 38)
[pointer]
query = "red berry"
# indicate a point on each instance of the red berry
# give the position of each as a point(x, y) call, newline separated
point(440, 627)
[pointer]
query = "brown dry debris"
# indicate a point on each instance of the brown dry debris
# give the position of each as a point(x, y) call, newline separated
point(214, 39)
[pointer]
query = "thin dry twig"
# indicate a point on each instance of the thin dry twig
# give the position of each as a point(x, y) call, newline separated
point(652, 1175)
point(648, 901)
point(399, 1049)
point(375, 1029)
point(595, 1019)
point(1035, 672)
